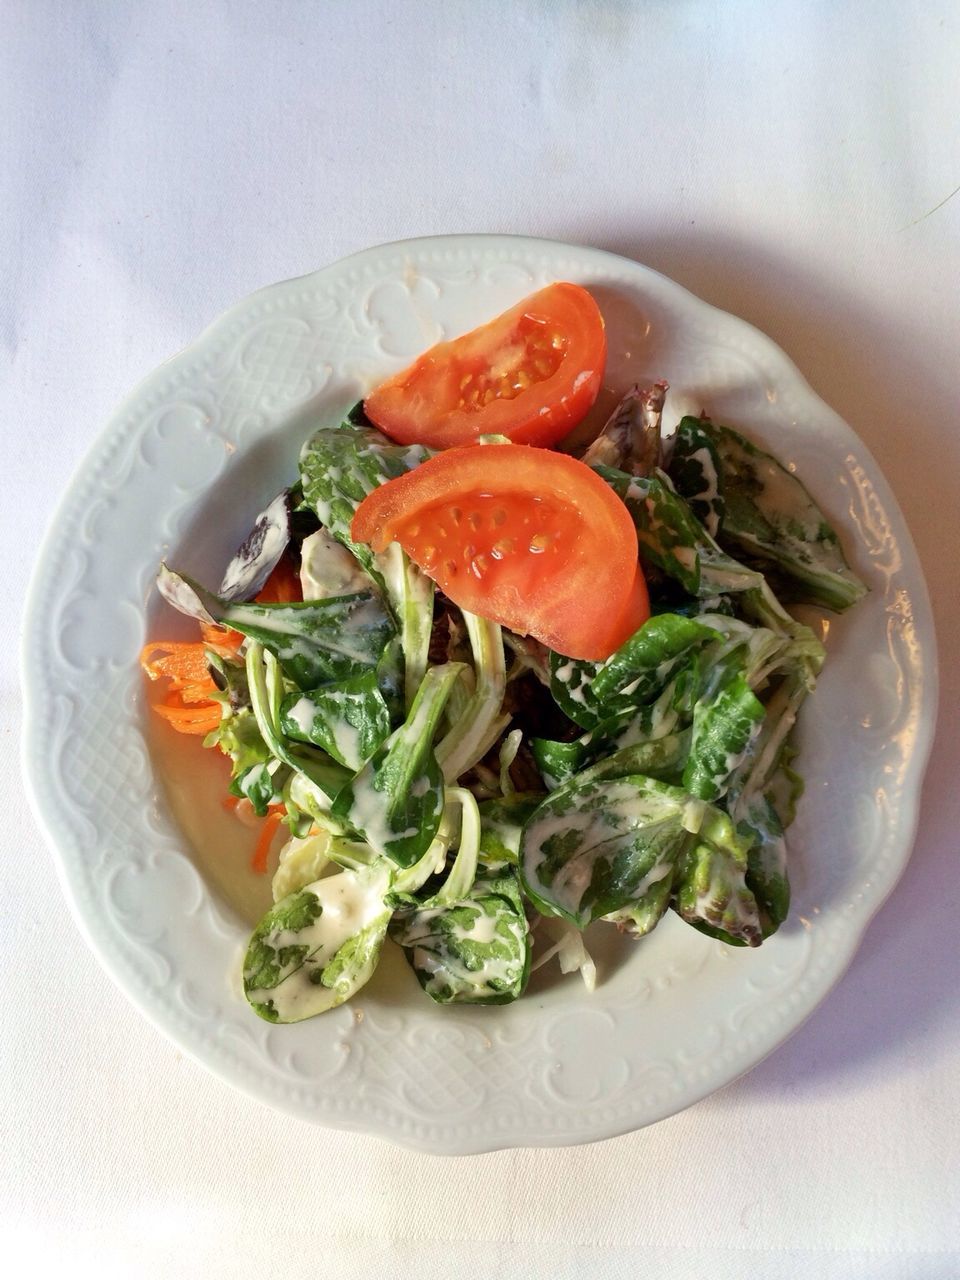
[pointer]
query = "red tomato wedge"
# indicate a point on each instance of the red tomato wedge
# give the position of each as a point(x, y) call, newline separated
point(531, 375)
point(525, 537)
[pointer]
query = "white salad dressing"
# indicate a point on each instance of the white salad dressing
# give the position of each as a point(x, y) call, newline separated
point(368, 813)
point(302, 861)
point(483, 930)
point(346, 740)
point(350, 903)
point(328, 569)
point(783, 498)
point(303, 713)
point(712, 491)
point(636, 810)
point(495, 971)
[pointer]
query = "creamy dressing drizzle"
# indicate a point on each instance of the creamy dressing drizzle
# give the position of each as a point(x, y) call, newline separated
point(368, 812)
point(346, 739)
point(303, 713)
point(328, 569)
point(635, 810)
point(351, 902)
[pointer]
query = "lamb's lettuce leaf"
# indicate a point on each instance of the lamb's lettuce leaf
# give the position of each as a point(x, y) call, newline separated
point(396, 800)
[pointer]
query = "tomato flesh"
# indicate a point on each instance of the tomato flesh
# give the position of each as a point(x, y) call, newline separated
point(531, 375)
point(528, 538)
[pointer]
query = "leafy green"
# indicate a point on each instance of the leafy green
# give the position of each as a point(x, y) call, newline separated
point(723, 728)
point(571, 681)
point(766, 875)
point(695, 473)
point(467, 943)
point(348, 719)
point(480, 723)
point(339, 466)
point(631, 727)
point(411, 594)
point(501, 821)
point(314, 640)
point(645, 912)
point(593, 847)
point(266, 690)
point(770, 515)
point(711, 890)
point(396, 800)
point(302, 860)
point(662, 758)
point(667, 530)
point(318, 946)
point(238, 736)
point(261, 784)
point(474, 949)
point(643, 665)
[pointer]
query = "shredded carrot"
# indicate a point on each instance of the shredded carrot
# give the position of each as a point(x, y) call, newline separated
point(190, 703)
point(180, 661)
point(283, 585)
point(195, 720)
point(261, 853)
point(221, 639)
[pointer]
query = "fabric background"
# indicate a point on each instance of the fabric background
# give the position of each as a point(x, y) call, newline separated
point(795, 163)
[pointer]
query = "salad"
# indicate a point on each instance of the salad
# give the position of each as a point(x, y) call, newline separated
point(491, 692)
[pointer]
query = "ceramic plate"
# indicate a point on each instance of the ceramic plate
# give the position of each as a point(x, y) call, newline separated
point(157, 873)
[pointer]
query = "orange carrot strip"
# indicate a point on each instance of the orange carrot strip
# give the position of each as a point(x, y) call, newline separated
point(222, 639)
point(283, 585)
point(261, 853)
point(181, 662)
point(190, 719)
point(190, 704)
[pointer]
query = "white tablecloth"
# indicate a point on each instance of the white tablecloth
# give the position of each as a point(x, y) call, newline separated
point(796, 163)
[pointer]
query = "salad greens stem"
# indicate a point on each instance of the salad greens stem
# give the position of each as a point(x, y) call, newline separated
point(266, 693)
point(411, 593)
point(464, 869)
point(481, 723)
point(396, 800)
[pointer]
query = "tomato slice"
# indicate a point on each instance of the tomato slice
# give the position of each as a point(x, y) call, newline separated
point(529, 538)
point(531, 375)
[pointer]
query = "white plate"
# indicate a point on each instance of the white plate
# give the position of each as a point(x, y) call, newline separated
point(156, 873)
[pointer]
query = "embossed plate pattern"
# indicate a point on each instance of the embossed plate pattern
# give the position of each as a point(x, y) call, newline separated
point(136, 827)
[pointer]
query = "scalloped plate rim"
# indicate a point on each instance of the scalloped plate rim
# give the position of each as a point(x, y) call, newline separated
point(437, 1138)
